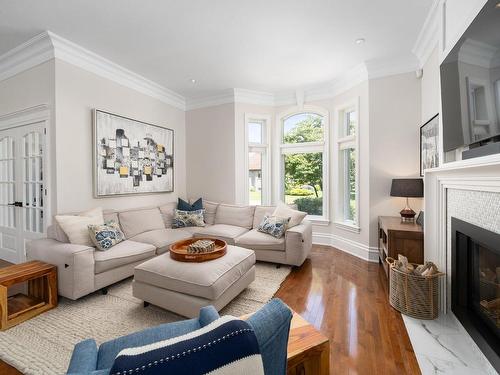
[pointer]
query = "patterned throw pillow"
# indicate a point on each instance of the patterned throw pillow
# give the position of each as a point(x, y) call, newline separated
point(106, 235)
point(184, 219)
point(274, 225)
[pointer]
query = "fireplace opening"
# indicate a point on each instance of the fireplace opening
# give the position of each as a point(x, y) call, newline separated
point(475, 279)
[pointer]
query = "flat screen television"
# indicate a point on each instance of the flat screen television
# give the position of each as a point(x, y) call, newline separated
point(470, 83)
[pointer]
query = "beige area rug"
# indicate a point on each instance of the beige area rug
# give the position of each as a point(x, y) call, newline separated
point(43, 345)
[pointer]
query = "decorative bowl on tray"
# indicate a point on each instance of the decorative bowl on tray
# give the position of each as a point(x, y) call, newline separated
point(180, 250)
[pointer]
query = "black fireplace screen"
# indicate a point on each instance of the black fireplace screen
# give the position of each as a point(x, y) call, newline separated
point(475, 282)
point(486, 286)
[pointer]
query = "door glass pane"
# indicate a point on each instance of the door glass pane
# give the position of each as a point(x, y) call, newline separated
point(303, 174)
point(33, 176)
point(255, 132)
point(7, 186)
point(302, 128)
point(255, 178)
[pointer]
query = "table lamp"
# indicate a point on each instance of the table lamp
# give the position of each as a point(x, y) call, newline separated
point(407, 188)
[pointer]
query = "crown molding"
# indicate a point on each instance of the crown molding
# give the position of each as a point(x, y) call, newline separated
point(222, 97)
point(31, 53)
point(389, 67)
point(47, 46)
point(477, 53)
point(428, 38)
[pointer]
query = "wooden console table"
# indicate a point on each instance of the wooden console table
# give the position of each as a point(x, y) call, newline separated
point(41, 293)
point(308, 349)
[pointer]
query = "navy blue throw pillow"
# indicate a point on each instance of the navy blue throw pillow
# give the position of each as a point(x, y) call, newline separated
point(185, 206)
point(226, 346)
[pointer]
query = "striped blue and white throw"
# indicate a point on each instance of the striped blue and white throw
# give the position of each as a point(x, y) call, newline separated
point(226, 346)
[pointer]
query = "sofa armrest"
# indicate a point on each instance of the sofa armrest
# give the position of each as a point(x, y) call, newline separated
point(84, 358)
point(298, 243)
point(271, 325)
point(75, 265)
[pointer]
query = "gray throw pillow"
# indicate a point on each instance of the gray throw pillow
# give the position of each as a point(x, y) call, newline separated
point(274, 225)
point(184, 219)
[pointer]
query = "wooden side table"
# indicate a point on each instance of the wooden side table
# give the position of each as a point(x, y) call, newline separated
point(308, 349)
point(396, 238)
point(41, 292)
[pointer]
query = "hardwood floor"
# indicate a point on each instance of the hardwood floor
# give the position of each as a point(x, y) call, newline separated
point(346, 299)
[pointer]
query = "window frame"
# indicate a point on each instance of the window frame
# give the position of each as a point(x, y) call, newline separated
point(341, 144)
point(265, 149)
point(306, 147)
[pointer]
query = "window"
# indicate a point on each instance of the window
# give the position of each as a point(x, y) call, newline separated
point(303, 161)
point(347, 173)
point(257, 160)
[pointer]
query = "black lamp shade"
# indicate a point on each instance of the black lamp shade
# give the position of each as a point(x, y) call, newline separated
point(407, 187)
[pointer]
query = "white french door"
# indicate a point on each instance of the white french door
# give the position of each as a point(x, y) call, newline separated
point(22, 189)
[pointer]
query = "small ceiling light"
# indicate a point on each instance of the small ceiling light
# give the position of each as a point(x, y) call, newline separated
point(193, 80)
point(498, 5)
point(360, 41)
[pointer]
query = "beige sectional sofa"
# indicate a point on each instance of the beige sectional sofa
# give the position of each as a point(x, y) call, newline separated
point(148, 233)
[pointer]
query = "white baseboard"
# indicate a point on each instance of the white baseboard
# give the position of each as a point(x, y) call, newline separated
point(357, 249)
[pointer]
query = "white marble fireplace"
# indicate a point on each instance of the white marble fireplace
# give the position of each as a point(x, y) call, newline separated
point(470, 191)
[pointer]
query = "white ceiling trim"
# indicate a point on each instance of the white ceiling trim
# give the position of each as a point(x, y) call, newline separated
point(428, 38)
point(34, 52)
point(390, 67)
point(48, 45)
point(348, 80)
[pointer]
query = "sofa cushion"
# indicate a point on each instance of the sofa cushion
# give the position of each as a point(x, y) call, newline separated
point(296, 217)
point(76, 226)
point(207, 279)
point(260, 212)
point(260, 241)
point(125, 252)
point(210, 210)
point(110, 215)
point(241, 216)
point(167, 212)
point(162, 238)
point(224, 232)
point(134, 222)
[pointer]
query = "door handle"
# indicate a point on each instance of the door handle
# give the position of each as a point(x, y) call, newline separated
point(16, 204)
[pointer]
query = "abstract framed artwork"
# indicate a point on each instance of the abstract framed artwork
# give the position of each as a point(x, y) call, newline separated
point(429, 144)
point(131, 156)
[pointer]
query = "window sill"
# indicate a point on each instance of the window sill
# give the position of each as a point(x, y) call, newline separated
point(347, 226)
point(318, 220)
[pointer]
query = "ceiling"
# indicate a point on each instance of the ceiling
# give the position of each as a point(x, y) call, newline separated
point(264, 45)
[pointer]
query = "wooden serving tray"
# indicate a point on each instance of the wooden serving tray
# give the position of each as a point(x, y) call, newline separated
point(178, 250)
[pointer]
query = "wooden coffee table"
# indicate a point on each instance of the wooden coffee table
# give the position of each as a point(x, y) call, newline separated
point(308, 349)
point(41, 293)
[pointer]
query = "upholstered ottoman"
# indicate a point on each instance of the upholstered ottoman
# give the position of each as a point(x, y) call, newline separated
point(184, 287)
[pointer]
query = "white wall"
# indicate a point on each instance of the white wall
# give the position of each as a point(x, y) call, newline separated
point(30, 88)
point(395, 114)
point(78, 92)
point(430, 87)
point(210, 153)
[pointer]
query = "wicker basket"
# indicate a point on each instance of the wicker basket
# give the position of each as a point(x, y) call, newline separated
point(414, 295)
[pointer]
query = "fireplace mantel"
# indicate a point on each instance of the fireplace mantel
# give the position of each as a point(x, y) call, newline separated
point(473, 175)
